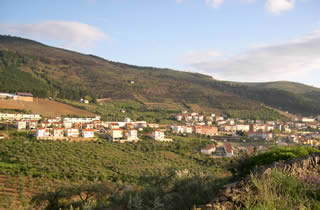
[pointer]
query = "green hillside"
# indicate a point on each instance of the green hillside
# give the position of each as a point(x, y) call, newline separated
point(45, 71)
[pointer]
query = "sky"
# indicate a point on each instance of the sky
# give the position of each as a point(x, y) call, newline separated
point(237, 40)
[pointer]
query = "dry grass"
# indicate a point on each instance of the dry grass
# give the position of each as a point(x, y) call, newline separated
point(45, 107)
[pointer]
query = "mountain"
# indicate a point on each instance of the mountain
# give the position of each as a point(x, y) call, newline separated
point(26, 65)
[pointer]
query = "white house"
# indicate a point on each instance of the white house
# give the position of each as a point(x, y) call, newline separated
point(32, 124)
point(158, 135)
point(73, 132)
point(58, 132)
point(116, 134)
point(42, 132)
point(187, 129)
point(67, 124)
point(22, 124)
point(132, 135)
point(209, 149)
point(88, 133)
point(260, 135)
point(306, 119)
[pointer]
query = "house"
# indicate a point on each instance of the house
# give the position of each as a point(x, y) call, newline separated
point(132, 135)
point(187, 129)
point(179, 117)
point(209, 149)
point(42, 133)
point(140, 124)
point(229, 151)
point(32, 124)
point(21, 124)
point(129, 125)
point(206, 130)
point(88, 133)
point(150, 125)
point(178, 129)
point(73, 132)
point(260, 135)
point(258, 127)
point(116, 134)
point(58, 132)
point(77, 125)
point(24, 96)
point(243, 127)
point(6, 96)
point(114, 125)
point(158, 135)
point(97, 124)
point(67, 124)
point(45, 124)
point(89, 126)
point(57, 124)
point(306, 119)
point(1, 136)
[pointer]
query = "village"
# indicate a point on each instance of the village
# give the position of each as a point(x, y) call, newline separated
point(247, 135)
point(229, 136)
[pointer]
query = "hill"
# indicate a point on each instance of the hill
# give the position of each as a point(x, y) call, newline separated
point(66, 74)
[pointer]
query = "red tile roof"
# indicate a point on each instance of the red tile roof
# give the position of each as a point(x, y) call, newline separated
point(24, 94)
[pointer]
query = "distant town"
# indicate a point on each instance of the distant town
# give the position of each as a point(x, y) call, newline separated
point(229, 136)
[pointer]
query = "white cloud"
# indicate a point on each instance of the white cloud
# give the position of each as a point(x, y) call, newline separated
point(179, 1)
point(278, 6)
point(287, 61)
point(71, 35)
point(201, 56)
point(214, 3)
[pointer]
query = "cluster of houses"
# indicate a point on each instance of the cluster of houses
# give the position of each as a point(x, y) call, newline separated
point(223, 129)
point(218, 128)
point(82, 128)
point(20, 96)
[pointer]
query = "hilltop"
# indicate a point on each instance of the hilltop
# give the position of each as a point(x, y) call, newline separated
point(26, 65)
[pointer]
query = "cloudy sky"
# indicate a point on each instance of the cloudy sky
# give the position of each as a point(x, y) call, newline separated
point(239, 40)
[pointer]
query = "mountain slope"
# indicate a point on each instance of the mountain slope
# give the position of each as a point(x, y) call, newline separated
point(26, 65)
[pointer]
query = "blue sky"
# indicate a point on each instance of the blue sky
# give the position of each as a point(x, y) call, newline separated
point(239, 40)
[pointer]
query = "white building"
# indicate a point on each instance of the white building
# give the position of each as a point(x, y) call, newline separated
point(132, 135)
point(73, 132)
point(58, 132)
point(42, 132)
point(306, 119)
point(22, 124)
point(88, 133)
point(32, 124)
point(67, 124)
point(209, 149)
point(158, 135)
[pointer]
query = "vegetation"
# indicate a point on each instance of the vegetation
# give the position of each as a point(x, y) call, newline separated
point(102, 160)
point(244, 164)
point(279, 190)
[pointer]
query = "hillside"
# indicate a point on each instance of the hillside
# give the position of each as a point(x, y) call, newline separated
point(66, 74)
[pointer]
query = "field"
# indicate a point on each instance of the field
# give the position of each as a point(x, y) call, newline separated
point(44, 107)
point(25, 163)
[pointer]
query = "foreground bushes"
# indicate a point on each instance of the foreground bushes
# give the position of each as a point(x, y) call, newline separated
point(279, 190)
point(244, 164)
point(167, 190)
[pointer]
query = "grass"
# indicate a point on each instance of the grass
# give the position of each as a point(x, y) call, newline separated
point(282, 191)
